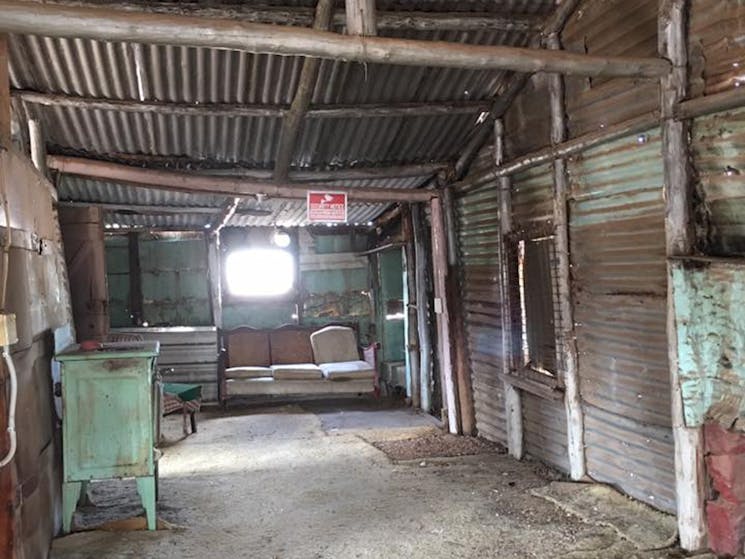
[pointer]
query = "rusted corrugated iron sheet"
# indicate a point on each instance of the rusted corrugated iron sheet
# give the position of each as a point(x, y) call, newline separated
point(717, 48)
point(618, 259)
point(187, 354)
point(719, 158)
point(478, 229)
point(544, 421)
point(637, 458)
point(545, 430)
point(532, 198)
point(611, 28)
point(528, 120)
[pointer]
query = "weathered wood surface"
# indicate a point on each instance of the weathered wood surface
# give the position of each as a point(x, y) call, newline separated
point(361, 18)
point(186, 182)
point(444, 339)
point(5, 110)
point(113, 25)
point(567, 346)
point(293, 120)
point(233, 110)
point(679, 240)
point(303, 16)
point(512, 397)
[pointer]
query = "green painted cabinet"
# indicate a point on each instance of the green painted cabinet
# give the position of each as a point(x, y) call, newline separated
point(109, 420)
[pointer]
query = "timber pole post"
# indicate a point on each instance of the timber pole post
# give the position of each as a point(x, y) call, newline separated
point(422, 308)
point(414, 383)
point(512, 397)
point(459, 350)
point(5, 107)
point(689, 458)
point(567, 346)
point(444, 341)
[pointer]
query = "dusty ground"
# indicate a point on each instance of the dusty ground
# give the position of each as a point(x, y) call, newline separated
point(306, 483)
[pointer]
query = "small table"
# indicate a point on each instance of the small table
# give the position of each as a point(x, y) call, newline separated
point(108, 426)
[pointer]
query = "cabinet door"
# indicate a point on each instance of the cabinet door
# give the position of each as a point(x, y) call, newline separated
point(108, 419)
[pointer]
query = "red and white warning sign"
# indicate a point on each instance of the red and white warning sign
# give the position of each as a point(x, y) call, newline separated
point(327, 207)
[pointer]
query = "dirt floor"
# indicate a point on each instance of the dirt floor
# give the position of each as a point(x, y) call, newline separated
point(310, 483)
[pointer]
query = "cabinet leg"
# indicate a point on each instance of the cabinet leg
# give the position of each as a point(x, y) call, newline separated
point(70, 496)
point(146, 489)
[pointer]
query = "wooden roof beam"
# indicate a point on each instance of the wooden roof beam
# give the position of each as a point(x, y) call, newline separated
point(227, 186)
point(303, 17)
point(232, 110)
point(107, 24)
point(293, 120)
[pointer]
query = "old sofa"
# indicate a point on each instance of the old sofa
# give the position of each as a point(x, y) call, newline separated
point(293, 361)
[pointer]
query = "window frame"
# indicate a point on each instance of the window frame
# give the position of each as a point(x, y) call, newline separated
point(521, 369)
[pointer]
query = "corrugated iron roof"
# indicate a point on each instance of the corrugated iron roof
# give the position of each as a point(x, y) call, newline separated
point(280, 212)
point(138, 72)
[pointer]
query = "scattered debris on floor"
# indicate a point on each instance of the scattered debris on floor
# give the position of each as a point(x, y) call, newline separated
point(436, 445)
point(641, 525)
point(273, 483)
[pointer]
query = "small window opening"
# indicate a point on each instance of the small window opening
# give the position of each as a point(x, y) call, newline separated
point(260, 272)
point(537, 304)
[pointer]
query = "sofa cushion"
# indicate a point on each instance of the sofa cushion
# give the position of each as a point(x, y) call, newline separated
point(248, 372)
point(348, 370)
point(297, 371)
point(290, 346)
point(248, 348)
point(334, 344)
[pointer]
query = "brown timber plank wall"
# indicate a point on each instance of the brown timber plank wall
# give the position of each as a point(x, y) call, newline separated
point(619, 289)
point(478, 239)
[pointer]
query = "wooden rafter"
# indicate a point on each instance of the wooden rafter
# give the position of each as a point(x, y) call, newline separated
point(227, 186)
point(105, 24)
point(232, 110)
point(303, 17)
point(293, 120)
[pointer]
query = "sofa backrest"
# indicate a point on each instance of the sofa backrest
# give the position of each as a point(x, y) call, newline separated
point(247, 348)
point(334, 344)
point(290, 345)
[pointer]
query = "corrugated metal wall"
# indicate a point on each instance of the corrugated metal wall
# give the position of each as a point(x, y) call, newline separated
point(544, 421)
point(186, 355)
point(619, 288)
point(719, 157)
point(478, 233)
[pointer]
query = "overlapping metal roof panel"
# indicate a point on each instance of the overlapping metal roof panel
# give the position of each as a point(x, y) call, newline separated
point(138, 72)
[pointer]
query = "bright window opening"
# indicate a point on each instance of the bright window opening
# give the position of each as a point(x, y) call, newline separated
point(535, 260)
point(260, 272)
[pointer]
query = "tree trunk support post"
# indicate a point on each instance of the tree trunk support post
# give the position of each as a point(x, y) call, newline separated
point(567, 346)
point(512, 397)
point(444, 340)
point(689, 460)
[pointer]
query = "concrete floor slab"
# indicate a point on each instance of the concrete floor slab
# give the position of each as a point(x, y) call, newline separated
point(287, 483)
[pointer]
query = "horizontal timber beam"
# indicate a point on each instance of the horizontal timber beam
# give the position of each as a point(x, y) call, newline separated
point(143, 209)
point(692, 108)
point(106, 24)
point(303, 17)
point(227, 186)
point(232, 110)
point(221, 168)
